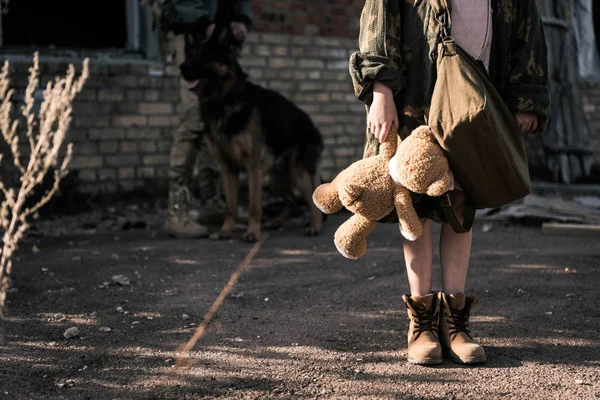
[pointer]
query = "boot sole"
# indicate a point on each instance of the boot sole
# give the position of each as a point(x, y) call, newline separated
point(463, 360)
point(470, 360)
point(180, 236)
point(425, 361)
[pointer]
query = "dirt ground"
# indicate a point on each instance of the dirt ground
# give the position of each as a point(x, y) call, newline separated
point(303, 322)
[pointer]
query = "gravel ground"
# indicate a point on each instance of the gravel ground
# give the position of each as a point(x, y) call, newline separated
point(302, 322)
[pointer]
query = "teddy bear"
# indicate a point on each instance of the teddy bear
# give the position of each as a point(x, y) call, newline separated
point(373, 187)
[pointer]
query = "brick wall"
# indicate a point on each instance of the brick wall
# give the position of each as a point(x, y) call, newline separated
point(339, 18)
point(124, 118)
point(591, 107)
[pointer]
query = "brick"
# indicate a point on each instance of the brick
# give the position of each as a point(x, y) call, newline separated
point(111, 94)
point(146, 147)
point(87, 175)
point(275, 38)
point(128, 147)
point(91, 121)
point(298, 52)
point(342, 64)
point(282, 85)
point(262, 50)
point(162, 120)
point(314, 74)
point(164, 146)
point(254, 62)
point(280, 62)
point(109, 147)
point(327, 41)
point(300, 74)
point(311, 63)
point(145, 172)
point(143, 133)
point(122, 160)
point(152, 95)
point(155, 108)
point(121, 69)
point(79, 162)
point(129, 120)
point(138, 69)
point(126, 173)
point(126, 107)
point(280, 51)
point(134, 94)
point(86, 148)
point(310, 86)
point(156, 159)
point(304, 40)
point(323, 119)
point(170, 95)
point(103, 134)
point(333, 53)
point(105, 174)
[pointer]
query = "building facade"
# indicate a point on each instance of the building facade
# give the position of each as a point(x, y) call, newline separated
point(124, 119)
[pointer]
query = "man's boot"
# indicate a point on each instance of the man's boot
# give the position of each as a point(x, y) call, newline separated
point(423, 345)
point(212, 209)
point(178, 222)
point(455, 335)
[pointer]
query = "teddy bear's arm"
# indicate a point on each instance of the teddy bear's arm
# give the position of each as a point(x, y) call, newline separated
point(410, 225)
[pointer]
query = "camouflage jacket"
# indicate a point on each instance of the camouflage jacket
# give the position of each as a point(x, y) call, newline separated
point(397, 44)
point(192, 16)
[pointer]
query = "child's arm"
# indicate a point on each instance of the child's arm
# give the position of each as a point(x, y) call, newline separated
point(376, 69)
point(378, 57)
point(527, 92)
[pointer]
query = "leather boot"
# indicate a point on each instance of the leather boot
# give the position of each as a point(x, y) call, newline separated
point(455, 334)
point(423, 345)
point(178, 222)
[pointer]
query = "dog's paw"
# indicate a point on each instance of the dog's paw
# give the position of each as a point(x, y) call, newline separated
point(221, 235)
point(313, 231)
point(249, 237)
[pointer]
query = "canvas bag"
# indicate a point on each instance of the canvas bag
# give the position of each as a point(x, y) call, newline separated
point(479, 134)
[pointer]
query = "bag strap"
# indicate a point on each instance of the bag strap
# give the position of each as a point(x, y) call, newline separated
point(443, 11)
point(469, 214)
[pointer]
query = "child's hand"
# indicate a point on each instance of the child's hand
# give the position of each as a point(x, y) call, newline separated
point(527, 121)
point(382, 113)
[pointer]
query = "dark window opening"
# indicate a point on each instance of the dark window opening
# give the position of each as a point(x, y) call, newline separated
point(65, 24)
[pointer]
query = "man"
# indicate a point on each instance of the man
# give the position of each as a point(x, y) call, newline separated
point(192, 18)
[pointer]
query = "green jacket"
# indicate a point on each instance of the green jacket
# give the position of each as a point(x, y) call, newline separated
point(192, 16)
point(397, 44)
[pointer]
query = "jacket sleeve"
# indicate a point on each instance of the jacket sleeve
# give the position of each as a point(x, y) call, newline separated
point(378, 57)
point(189, 16)
point(527, 89)
point(243, 12)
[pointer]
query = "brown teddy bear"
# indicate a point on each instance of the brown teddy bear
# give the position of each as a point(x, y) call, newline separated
point(367, 188)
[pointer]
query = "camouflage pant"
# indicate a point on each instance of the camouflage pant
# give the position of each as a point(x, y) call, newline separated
point(188, 151)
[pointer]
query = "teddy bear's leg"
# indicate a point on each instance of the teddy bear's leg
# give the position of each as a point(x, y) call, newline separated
point(351, 237)
point(410, 225)
point(326, 197)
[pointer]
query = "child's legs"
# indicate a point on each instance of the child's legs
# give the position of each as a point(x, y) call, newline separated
point(418, 256)
point(455, 249)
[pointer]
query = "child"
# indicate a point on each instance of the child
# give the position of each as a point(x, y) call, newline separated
point(394, 74)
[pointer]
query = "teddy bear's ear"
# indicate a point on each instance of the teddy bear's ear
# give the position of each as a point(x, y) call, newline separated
point(440, 186)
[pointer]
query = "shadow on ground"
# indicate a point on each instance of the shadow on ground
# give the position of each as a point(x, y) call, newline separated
point(303, 322)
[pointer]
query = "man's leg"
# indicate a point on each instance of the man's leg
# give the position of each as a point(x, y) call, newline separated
point(179, 222)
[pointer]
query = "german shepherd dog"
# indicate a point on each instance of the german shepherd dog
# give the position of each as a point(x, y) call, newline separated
point(246, 125)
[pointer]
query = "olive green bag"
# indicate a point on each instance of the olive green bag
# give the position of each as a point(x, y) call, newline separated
point(479, 134)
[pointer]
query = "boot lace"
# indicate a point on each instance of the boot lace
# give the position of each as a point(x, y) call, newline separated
point(182, 196)
point(425, 321)
point(458, 321)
